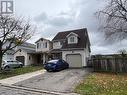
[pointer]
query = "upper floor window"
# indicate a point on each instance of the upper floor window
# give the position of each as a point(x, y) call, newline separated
point(37, 45)
point(42, 45)
point(72, 39)
point(45, 45)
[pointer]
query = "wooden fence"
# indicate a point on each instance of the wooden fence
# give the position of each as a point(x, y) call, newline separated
point(110, 64)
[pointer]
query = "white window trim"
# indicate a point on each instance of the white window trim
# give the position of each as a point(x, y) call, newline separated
point(72, 34)
point(74, 38)
point(44, 45)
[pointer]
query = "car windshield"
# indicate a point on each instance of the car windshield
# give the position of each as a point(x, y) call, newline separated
point(53, 61)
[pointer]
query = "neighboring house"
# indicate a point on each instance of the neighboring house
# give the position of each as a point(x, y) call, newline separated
point(24, 54)
point(43, 46)
point(21, 53)
point(72, 46)
point(26, 45)
point(9, 55)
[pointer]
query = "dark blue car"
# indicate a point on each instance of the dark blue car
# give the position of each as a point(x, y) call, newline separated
point(56, 65)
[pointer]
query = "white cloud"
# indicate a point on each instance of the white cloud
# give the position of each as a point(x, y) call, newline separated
point(41, 18)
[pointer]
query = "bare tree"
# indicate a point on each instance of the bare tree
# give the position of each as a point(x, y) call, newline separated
point(114, 18)
point(13, 32)
point(123, 52)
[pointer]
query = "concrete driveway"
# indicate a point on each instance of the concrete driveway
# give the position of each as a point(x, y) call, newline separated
point(63, 81)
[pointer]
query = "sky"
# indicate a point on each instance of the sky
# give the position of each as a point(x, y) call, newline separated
point(53, 16)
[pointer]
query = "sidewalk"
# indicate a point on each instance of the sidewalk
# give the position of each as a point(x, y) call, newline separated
point(19, 78)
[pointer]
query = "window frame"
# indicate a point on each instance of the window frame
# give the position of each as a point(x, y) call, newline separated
point(45, 44)
point(72, 39)
point(37, 45)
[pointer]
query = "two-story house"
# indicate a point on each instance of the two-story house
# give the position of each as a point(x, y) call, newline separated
point(72, 46)
point(34, 54)
point(43, 47)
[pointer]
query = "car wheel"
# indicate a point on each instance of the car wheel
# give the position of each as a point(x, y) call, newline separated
point(20, 66)
point(49, 70)
point(59, 69)
point(7, 68)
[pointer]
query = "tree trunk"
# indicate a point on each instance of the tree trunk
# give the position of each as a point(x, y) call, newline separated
point(1, 54)
point(0, 61)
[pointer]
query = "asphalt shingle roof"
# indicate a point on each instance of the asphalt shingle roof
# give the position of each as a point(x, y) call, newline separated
point(29, 45)
point(29, 50)
point(83, 38)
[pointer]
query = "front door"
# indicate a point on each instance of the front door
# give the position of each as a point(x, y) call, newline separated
point(38, 59)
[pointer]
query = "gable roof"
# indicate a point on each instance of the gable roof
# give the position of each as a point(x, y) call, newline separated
point(29, 51)
point(82, 41)
point(41, 39)
point(72, 33)
point(29, 45)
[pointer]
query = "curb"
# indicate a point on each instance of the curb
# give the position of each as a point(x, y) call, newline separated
point(37, 90)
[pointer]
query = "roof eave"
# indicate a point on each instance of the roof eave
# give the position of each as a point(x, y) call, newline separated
point(69, 49)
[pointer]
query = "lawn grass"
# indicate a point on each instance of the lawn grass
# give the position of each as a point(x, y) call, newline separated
point(19, 71)
point(103, 84)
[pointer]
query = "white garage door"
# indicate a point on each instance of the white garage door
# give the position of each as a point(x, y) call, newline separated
point(74, 60)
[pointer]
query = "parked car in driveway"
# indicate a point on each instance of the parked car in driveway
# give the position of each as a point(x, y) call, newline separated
point(56, 65)
point(7, 65)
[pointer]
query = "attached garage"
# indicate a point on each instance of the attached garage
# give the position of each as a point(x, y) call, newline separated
point(74, 60)
point(21, 59)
